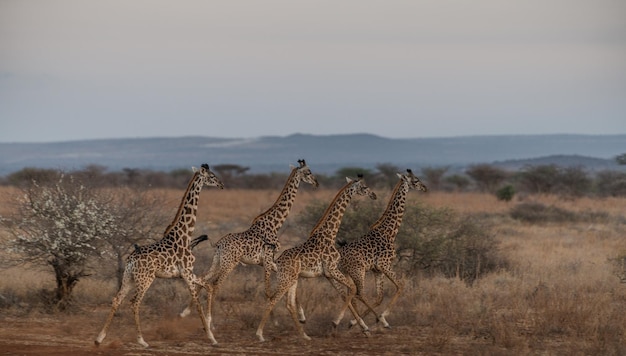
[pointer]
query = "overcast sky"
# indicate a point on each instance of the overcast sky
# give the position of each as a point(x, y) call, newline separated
point(73, 70)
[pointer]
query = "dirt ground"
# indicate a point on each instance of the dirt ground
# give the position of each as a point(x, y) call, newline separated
point(74, 335)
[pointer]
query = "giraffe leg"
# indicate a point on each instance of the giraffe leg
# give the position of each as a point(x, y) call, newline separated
point(301, 316)
point(268, 287)
point(283, 286)
point(192, 283)
point(117, 301)
point(335, 274)
point(292, 306)
point(136, 303)
point(214, 282)
point(379, 295)
point(187, 309)
point(399, 288)
point(214, 267)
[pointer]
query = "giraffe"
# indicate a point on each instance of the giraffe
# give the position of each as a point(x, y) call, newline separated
point(169, 257)
point(375, 251)
point(315, 257)
point(257, 244)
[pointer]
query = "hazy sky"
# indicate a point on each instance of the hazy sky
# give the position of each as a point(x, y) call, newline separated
point(72, 70)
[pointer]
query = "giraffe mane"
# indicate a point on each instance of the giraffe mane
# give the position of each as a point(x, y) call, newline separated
point(285, 187)
point(329, 207)
point(182, 204)
point(393, 194)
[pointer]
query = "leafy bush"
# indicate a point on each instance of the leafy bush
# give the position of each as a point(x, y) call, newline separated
point(505, 193)
point(611, 183)
point(552, 179)
point(439, 241)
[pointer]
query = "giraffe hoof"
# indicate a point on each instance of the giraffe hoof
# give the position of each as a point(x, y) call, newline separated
point(351, 324)
point(367, 333)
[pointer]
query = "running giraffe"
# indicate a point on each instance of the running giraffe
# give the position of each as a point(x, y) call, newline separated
point(169, 257)
point(375, 251)
point(316, 257)
point(257, 244)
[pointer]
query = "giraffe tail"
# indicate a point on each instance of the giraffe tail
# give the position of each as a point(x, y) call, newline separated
point(197, 241)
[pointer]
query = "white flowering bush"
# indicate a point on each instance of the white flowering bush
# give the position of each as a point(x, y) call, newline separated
point(68, 223)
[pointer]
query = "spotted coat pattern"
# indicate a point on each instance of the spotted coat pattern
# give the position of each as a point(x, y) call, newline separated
point(316, 257)
point(257, 244)
point(169, 257)
point(375, 251)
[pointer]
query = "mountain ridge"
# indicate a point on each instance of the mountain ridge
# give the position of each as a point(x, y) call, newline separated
point(326, 153)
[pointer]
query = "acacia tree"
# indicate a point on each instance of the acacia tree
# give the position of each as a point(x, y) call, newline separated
point(434, 176)
point(487, 177)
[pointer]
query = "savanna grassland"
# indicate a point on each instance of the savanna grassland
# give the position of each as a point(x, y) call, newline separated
point(558, 294)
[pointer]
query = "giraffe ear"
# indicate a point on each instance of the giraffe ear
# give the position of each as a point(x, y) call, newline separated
point(291, 166)
point(194, 169)
point(348, 179)
point(399, 175)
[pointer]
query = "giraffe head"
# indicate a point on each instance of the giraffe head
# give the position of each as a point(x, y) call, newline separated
point(412, 181)
point(303, 173)
point(360, 188)
point(208, 178)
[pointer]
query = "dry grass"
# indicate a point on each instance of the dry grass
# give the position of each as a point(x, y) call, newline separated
point(559, 295)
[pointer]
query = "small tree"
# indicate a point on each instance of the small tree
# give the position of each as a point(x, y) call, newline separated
point(230, 173)
point(505, 193)
point(573, 182)
point(434, 176)
point(487, 177)
point(611, 183)
point(387, 173)
point(460, 182)
point(61, 225)
point(539, 179)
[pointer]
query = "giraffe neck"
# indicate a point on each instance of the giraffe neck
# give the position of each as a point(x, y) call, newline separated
point(185, 220)
point(274, 217)
point(389, 222)
point(328, 225)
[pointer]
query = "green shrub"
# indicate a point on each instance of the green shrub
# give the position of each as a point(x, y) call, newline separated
point(440, 241)
point(505, 193)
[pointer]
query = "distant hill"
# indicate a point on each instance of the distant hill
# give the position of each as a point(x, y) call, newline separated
point(325, 154)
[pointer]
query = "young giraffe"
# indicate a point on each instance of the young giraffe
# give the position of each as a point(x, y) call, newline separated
point(375, 250)
point(316, 257)
point(257, 244)
point(169, 257)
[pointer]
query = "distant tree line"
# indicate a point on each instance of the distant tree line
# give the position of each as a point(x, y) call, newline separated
point(536, 179)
